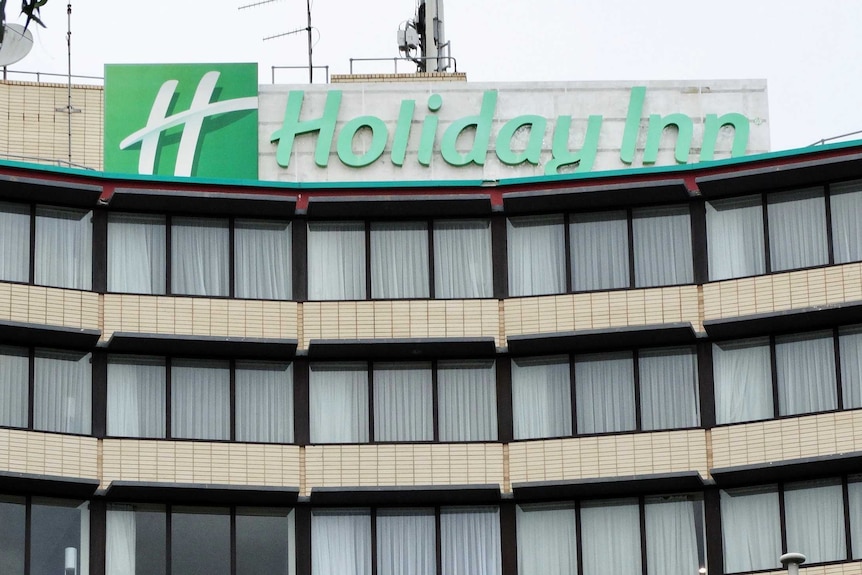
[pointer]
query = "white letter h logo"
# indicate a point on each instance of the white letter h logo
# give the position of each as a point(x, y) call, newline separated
point(193, 119)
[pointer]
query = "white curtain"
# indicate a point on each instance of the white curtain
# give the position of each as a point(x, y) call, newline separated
point(599, 250)
point(406, 542)
point(63, 390)
point(547, 539)
point(340, 542)
point(462, 259)
point(850, 347)
point(669, 388)
point(262, 259)
point(15, 242)
point(403, 402)
point(814, 516)
point(467, 401)
point(605, 392)
point(541, 397)
point(797, 229)
point(751, 529)
point(399, 260)
point(200, 256)
point(662, 246)
point(806, 373)
point(742, 375)
point(64, 247)
point(537, 255)
point(120, 543)
point(338, 403)
point(14, 386)
point(470, 541)
point(200, 399)
point(136, 253)
point(136, 396)
point(610, 537)
point(336, 260)
point(846, 207)
point(734, 236)
point(854, 492)
point(264, 402)
point(674, 535)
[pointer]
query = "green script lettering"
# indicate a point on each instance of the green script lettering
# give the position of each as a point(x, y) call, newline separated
point(292, 126)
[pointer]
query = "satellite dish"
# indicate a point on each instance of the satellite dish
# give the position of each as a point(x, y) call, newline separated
point(17, 43)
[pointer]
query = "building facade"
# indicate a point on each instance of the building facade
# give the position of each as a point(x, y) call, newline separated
point(642, 372)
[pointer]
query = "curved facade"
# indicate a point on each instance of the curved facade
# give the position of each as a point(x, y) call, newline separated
point(641, 372)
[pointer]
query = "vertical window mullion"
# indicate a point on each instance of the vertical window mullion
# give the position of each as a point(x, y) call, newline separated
point(168, 538)
point(232, 537)
point(636, 371)
point(231, 257)
point(435, 404)
point(438, 546)
point(845, 493)
point(31, 386)
point(28, 520)
point(232, 399)
point(32, 275)
point(573, 393)
point(765, 214)
point(567, 250)
point(370, 370)
point(368, 270)
point(827, 199)
point(642, 519)
point(836, 349)
point(631, 231)
point(431, 292)
point(373, 541)
point(168, 256)
point(579, 546)
point(773, 363)
point(782, 515)
point(168, 417)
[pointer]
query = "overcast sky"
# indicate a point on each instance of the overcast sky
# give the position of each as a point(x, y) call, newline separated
point(810, 53)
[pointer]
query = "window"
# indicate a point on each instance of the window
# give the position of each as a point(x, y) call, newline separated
point(14, 374)
point(336, 260)
point(805, 366)
point(662, 246)
point(669, 389)
point(611, 537)
point(462, 259)
point(846, 204)
point(547, 539)
point(200, 249)
point(605, 391)
point(541, 398)
point(735, 237)
point(62, 394)
point(815, 519)
point(13, 517)
point(537, 252)
point(742, 378)
point(200, 399)
point(59, 533)
point(797, 229)
point(136, 253)
point(850, 350)
point(136, 396)
point(751, 529)
point(64, 248)
point(15, 242)
point(599, 250)
point(399, 260)
point(264, 402)
point(403, 397)
point(263, 259)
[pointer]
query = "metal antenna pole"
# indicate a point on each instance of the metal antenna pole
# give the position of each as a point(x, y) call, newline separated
point(310, 65)
point(69, 109)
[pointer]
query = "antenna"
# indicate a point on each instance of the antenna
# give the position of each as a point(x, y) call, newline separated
point(427, 34)
point(295, 31)
point(68, 108)
point(17, 43)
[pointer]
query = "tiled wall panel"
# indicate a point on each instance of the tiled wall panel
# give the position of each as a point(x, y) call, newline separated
point(53, 454)
point(49, 306)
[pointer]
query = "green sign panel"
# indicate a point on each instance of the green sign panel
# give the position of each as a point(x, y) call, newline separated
point(182, 120)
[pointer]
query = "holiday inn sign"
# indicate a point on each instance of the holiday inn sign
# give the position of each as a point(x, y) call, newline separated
point(212, 120)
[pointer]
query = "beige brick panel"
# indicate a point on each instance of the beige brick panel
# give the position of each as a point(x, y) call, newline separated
point(200, 462)
point(853, 568)
point(199, 316)
point(608, 456)
point(49, 306)
point(48, 454)
point(598, 310)
point(403, 464)
point(781, 439)
point(779, 292)
point(400, 319)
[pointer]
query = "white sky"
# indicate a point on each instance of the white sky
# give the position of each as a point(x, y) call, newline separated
point(809, 52)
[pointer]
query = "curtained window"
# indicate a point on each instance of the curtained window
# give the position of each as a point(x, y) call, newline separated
point(15, 242)
point(846, 210)
point(262, 257)
point(136, 396)
point(200, 399)
point(675, 537)
point(14, 386)
point(805, 366)
point(662, 246)
point(669, 388)
point(470, 541)
point(62, 394)
point(742, 376)
point(541, 397)
point(467, 401)
point(403, 408)
point(264, 402)
point(814, 515)
point(734, 236)
point(797, 229)
point(340, 542)
point(605, 393)
point(610, 537)
point(547, 539)
point(338, 403)
point(406, 542)
point(850, 347)
point(336, 260)
point(399, 260)
point(854, 492)
point(462, 259)
point(537, 255)
point(751, 529)
point(64, 248)
point(200, 256)
point(136, 253)
point(599, 244)
point(136, 540)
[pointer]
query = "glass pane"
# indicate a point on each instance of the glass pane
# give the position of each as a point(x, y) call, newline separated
point(797, 229)
point(15, 242)
point(64, 248)
point(470, 541)
point(62, 392)
point(403, 402)
point(200, 399)
point(336, 260)
point(462, 259)
point(406, 542)
point(136, 542)
point(846, 210)
point(734, 235)
point(537, 255)
point(264, 402)
point(467, 400)
point(136, 253)
point(662, 246)
point(599, 245)
point(675, 535)
point(610, 532)
point(743, 380)
point(547, 537)
point(200, 539)
point(814, 514)
point(669, 388)
point(262, 256)
point(200, 256)
point(136, 396)
point(399, 260)
point(338, 403)
point(12, 518)
point(59, 537)
point(750, 529)
point(805, 366)
point(854, 491)
point(605, 392)
point(850, 348)
point(264, 542)
point(541, 397)
point(14, 386)
point(341, 542)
